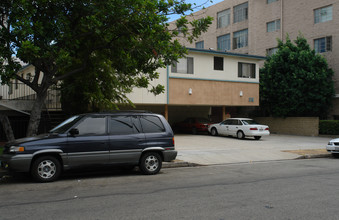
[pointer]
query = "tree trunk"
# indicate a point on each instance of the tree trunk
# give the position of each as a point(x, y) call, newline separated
point(34, 120)
point(7, 127)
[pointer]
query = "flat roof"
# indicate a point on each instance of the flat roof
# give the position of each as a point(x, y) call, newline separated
point(225, 53)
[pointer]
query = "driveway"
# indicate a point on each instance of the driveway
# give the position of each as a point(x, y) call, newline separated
point(208, 150)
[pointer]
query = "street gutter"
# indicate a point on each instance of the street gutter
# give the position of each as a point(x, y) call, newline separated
point(179, 163)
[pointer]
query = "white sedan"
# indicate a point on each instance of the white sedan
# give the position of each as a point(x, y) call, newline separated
point(240, 128)
point(333, 147)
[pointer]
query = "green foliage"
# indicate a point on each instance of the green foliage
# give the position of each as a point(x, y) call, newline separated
point(115, 44)
point(329, 127)
point(296, 81)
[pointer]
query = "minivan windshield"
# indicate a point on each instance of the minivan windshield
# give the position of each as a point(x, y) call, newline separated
point(64, 126)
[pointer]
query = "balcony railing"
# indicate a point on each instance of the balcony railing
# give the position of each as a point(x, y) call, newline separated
point(20, 91)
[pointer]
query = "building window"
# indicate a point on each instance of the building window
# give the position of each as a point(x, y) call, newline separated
point(184, 65)
point(322, 45)
point(199, 45)
point(271, 1)
point(218, 63)
point(273, 25)
point(323, 14)
point(29, 76)
point(240, 12)
point(180, 30)
point(224, 18)
point(271, 51)
point(240, 39)
point(246, 70)
point(224, 42)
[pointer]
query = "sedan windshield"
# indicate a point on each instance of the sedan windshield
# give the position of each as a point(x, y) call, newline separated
point(249, 122)
point(64, 126)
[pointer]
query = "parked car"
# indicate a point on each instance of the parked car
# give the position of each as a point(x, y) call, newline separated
point(240, 128)
point(121, 138)
point(192, 125)
point(333, 147)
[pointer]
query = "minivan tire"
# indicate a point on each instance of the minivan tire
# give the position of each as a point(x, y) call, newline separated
point(46, 169)
point(150, 163)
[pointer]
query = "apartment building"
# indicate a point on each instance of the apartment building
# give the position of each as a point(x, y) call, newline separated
point(206, 83)
point(253, 26)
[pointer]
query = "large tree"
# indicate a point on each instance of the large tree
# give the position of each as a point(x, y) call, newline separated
point(124, 41)
point(296, 81)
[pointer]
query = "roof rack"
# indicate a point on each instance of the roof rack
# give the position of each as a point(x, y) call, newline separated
point(127, 111)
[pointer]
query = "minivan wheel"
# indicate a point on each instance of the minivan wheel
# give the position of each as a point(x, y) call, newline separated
point(46, 169)
point(150, 163)
point(240, 135)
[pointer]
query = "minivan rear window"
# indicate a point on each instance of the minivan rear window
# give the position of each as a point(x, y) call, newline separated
point(124, 125)
point(151, 124)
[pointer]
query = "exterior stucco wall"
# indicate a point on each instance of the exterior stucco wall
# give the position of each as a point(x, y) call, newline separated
point(209, 86)
point(143, 96)
point(204, 68)
point(215, 93)
point(308, 126)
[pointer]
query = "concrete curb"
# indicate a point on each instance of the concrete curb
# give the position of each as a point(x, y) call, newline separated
point(310, 156)
point(176, 164)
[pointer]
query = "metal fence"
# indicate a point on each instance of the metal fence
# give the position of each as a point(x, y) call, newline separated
point(20, 91)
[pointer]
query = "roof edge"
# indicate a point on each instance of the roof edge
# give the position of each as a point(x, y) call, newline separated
point(257, 57)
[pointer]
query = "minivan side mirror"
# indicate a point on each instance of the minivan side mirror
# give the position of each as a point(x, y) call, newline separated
point(74, 131)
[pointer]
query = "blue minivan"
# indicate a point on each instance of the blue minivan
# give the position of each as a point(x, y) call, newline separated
point(127, 138)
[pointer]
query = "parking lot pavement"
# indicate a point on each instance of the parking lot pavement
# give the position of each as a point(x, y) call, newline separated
point(210, 150)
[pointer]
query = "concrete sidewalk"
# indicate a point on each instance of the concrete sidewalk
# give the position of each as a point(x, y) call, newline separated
point(210, 150)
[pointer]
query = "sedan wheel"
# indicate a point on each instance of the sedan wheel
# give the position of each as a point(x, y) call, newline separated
point(150, 163)
point(240, 135)
point(214, 132)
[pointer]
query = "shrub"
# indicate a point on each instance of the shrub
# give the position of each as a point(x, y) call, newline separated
point(329, 127)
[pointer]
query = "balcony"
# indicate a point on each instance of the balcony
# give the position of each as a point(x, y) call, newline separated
point(22, 97)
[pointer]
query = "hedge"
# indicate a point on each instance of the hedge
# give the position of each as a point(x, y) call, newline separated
point(329, 127)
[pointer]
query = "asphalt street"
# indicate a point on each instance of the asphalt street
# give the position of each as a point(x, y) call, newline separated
point(291, 189)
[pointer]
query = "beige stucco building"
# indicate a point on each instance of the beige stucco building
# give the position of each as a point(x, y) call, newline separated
point(253, 26)
point(205, 83)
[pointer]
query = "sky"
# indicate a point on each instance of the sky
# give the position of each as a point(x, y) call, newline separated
point(197, 2)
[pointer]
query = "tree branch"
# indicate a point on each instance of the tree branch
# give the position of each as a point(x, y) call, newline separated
point(56, 79)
